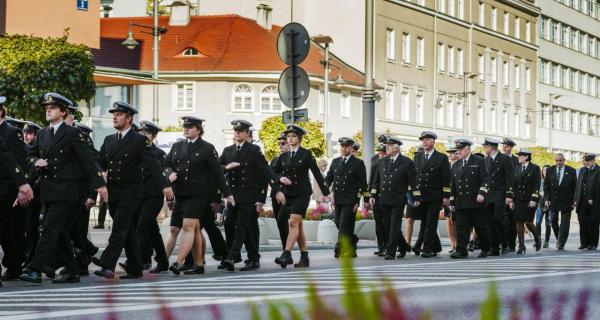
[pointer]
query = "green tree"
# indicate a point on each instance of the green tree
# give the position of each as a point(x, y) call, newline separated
point(163, 9)
point(358, 137)
point(31, 66)
point(272, 127)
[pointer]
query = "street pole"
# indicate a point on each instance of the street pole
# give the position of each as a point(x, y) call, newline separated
point(551, 96)
point(326, 102)
point(368, 126)
point(156, 35)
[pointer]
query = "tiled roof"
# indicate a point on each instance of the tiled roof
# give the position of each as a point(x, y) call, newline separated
point(226, 43)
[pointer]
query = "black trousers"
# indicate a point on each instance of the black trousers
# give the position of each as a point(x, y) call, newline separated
point(5, 213)
point(345, 221)
point(240, 216)
point(496, 221)
point(55, 242)
point(561, 231)
point(283, 223)
point(392, 216)
point(83, 246)
point(548, 225)
point(466, 219)
point(429, 224)
point(511, 227)
point(254, 232)
point(125, 215)
point(32, 229)
point(214, 234)
point(13, 240)
point(102, 213)
point(148, 231)
point(380, 233)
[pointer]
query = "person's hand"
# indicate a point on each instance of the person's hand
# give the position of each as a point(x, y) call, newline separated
point(26, 190)
point(480, 198)
point(103, 193)
point(168, 192)
point(172, 177)
point(41, 163)
point(446, 202)
point(367, 206)
point(21, 200)
point(232, 165)
point(547, 203)
point(532, 204)
point(280, 197)
point(364, 213)
point(512, 206)
point(285, 181)
point(451, 208)
point(591, 202)
point(231, 201)
point(105, 176)
point(259, 207)
point(416, 204)
point(372, 202)
point(508, 201)
point(89, 203)
point(170, 204)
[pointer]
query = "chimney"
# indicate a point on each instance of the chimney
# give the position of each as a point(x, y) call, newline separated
point(263, 16)
point(180, 13)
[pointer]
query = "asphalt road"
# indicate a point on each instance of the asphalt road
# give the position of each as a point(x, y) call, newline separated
point(566, 281)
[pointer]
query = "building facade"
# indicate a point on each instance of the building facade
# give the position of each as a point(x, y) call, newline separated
point(568, 111)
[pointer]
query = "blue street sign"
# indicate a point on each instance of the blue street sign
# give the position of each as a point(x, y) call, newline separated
point(82, 5)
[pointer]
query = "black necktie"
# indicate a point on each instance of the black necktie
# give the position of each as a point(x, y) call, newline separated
point(464, 163)
point(293, 154)
point(119, 136)
point(558, 175)
point(427, 157)
point(52, 131)
point(344, 160)
point(238, 148)
point(523, 169)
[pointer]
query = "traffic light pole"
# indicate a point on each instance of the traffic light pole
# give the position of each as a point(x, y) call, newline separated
point(368, 97)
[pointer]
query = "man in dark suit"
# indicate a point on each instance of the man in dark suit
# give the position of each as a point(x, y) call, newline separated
point(121, 158)
point(469, 187)
point(587, 203)
point(348, 177)
point(380, 233)
point(245, 164)
point(282, 220)
point(559, 190)
point(396, 176)
point(432, 190)
point(58, 153)
point(499, 195)
point(511, 224)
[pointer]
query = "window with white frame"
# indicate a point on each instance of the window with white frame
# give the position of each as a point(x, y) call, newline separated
point(451, 7)
point(518, 28)
point(492, 117)
point(505, 120)
point(460, 66)
point(184, 97)
point(517, 126)
point(442, 6)
point(528, 31)
point(441, 58)
point(440, 111)
point(450, 112)
point(505, 24)
point(406, 48)
point(505, 74)
point(481, 14)
point(345, 106)
point(481, 67)
point(567, 78)
point(494, 71)
point(420, 52)
point(480, 116)
point(389, 100)
point(269, 100)
point(419, 107)
point(494, 18)
point(460, 111)
point(243, 98)
point(450, 59)
point(405, 100)
point(461, 9)
point(517, 77)
point(528, 79)
point(390, 44)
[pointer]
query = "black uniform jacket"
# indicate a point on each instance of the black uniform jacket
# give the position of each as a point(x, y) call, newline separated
point(393, 180)
point(152, 184)
point(349, 180)
point(296, 170)
point(501, 175)
point(468, 181)
point(527, 183)
point(561, 195)
point(433, 177)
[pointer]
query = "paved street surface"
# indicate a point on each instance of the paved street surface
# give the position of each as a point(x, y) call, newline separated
point(439, 284)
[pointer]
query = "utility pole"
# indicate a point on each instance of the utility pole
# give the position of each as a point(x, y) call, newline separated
point(368, 98)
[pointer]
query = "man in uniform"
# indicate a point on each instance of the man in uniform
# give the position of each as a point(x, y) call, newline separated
point(377, 214)
point(58, 153)
point(433, 190)
point(32, 217)
point(29, 132)
point(507, 146)
point(559, 191)
point(282, 221)
point(395, 177)
point(499, 195)
point(348, 176)
point(244, 164)
point(469, 187)
point(587, 203)
point(121, 157)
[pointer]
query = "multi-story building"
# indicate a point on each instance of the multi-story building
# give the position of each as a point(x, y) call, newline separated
point(568, 116)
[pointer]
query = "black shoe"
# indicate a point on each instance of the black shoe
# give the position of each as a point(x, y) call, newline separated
point(546, 244)
point(123, 265)
point(504, 251)
point(483, 254)
point(521, 250)
point(175, 268)
point(98, 226)
point(402, 254)
point(217, 257)
point(97, 262)
point(458, 255)
point(251, 265)
point(591, 248)
point(49, 272)
point(511, 249)
point(33, 277)
point(390, 257)
point(9, 275)
point(159, 268)
point(284, 259)
point(105, 273)
point(147, 266)
point(84, 272)
point(471, 246)
point(194, 270)
point(378, 252)
point(304, 261)
point(228, 264)
point(134, 275)
point(494, 252)
point(538, 243)
point(582, 247)
point(220, 267)
point(416, 250)
point(68, 277)
point(561, 248)
point(451, 251)
point(428, 254)
point(185, 267)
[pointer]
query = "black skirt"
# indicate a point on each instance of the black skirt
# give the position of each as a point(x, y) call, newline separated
point(190, 207)
point(296, 205)
point(522, 211)
point(414, 213)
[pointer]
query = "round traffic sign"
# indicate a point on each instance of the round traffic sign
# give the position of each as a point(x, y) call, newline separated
point(293, 86)
point(293, 44)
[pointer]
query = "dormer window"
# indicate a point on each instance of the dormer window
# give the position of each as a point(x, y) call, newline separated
point(188, 52)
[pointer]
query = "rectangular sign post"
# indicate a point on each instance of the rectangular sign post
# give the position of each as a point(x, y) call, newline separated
point(82, 5)
point(299, 116)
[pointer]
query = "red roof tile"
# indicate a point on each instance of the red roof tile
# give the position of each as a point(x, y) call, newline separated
point(226, 43)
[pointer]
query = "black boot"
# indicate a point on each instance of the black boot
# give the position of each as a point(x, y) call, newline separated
point(284, 259)
point(304, 262)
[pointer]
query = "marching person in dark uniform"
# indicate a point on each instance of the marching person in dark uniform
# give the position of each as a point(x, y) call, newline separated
point(191, 165)
point(58, 153)
point(396, 176)
point(432, 190)
point(559, 191)
point(377, 214)
point(469, 187)
point(282, 220)
point(511, 224)
point(30, 131)
point(587, 203)
point(148, 231)
point(348, 177)
point(245, 164)
point(527, 194)
point(449, 215)
point(499, 195)
point(33, 222)
point(122, 156)
point(293, 167)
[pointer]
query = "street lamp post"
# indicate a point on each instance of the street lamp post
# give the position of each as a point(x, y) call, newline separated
point(551, 98)
point(325, 40)
point(368, 126)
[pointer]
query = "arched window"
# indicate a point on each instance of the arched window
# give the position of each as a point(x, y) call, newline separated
point(269, 99)
point(243, 98)
point(190, 52)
